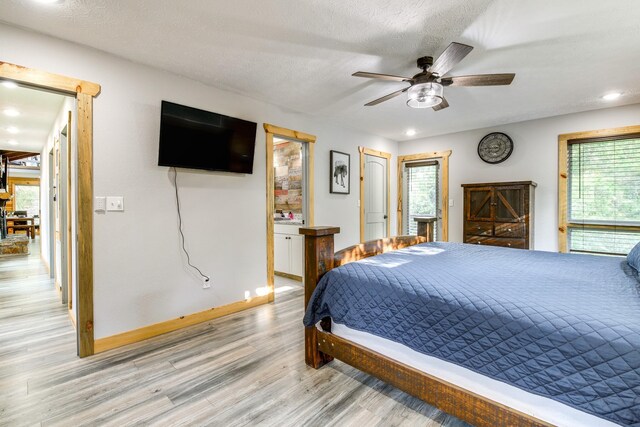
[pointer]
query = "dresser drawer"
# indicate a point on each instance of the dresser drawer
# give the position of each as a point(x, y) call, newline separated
point(480, 228)
point(496, 241)
point(509, 229)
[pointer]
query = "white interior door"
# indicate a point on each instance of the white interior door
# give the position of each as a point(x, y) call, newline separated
point(375, 197)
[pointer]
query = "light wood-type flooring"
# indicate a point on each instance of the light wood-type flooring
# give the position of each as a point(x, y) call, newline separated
point(246, 369)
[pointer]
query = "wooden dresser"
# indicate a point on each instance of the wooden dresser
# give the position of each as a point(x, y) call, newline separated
point(499, 214)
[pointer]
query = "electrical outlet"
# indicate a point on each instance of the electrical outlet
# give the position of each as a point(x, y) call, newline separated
point(206, 283)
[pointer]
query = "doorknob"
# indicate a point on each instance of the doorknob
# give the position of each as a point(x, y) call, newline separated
point(385, 217)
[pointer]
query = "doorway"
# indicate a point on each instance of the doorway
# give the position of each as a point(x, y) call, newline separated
point(374, 194)
point(61, 169)
point(423, 190)
point(290, 168)
point(84, 93)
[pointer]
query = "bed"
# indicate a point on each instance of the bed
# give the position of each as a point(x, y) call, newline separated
point(494, 336)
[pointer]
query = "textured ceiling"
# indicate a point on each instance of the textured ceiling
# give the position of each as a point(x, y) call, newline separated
point(38, 111)
point(300, 54)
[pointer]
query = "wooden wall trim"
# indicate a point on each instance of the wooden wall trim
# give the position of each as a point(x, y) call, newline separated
point(146, 332)
point(84, 92)
point(289, 133)
point(563, 173)
point(270, 221)
point(84, 296)
point(444, 196)
point(42, 79)
point(368, 151)
point(270, 132)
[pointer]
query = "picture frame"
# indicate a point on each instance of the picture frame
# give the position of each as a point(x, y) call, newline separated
point(340, 172)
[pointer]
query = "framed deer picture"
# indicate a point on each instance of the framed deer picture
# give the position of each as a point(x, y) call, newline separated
point(340, 174)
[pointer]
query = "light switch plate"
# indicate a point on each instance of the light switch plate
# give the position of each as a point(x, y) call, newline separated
point(100, 204)
point(115, 203)
point(451, 202)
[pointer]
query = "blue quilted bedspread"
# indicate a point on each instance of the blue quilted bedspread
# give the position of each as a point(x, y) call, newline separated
point(562, 326)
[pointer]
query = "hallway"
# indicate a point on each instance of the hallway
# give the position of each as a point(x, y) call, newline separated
point(36, 333)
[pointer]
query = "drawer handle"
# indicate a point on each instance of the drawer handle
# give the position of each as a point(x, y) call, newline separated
point(479, 243)
point(508, 229)
point(509, 244)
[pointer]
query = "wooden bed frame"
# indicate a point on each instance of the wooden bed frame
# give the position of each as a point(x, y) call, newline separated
point(322, 346)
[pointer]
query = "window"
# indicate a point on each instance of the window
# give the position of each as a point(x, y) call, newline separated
point(27, 198)
point(602, 194)
point(422, 196)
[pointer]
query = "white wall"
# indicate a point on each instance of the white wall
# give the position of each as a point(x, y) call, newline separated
point(535, 158)
point(140, 276)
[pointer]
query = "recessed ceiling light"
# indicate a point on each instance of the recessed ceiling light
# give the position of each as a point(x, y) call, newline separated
point(9, 84)
point(11, 112)
point(410, 132)
point(12, 142)
point(611, 96)
point(12, 129)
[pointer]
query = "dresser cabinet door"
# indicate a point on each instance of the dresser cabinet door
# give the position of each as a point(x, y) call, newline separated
point(509, 204)
point(479, 204)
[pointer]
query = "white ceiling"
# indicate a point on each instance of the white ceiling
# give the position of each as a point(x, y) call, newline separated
point(38, 111)
point(300, 54)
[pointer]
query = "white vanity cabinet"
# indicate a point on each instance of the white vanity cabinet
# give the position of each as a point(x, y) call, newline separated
point(288, 250)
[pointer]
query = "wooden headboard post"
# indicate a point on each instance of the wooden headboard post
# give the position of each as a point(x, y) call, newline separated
point(318, 250)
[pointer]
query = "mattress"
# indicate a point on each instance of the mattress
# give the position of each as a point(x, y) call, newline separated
point(562, 326)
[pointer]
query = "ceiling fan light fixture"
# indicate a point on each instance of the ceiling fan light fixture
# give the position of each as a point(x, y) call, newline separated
point(425, 95)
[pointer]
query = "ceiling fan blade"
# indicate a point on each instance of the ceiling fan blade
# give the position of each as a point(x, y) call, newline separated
point(444, 104)
point(453, 54)
point(386, 97)
point(381, 76)
point(479, 80)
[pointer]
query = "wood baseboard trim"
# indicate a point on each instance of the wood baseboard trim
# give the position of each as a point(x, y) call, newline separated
point(140, 334)
point(288, 276)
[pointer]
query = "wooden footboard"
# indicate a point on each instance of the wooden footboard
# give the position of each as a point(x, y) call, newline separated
point(322, 346)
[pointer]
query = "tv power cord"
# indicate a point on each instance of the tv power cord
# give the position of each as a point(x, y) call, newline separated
point(207, 279)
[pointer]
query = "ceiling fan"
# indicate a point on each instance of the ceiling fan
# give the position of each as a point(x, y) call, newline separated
point(426, 88)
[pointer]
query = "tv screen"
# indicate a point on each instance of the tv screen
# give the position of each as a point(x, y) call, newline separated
point(198, 139)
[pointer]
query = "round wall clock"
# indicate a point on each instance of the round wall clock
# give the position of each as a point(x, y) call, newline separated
point(495, 147)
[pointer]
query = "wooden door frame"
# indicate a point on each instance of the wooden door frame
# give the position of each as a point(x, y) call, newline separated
point(368, 151)
point(271, 131)
point(84, 93)
point(444, 196)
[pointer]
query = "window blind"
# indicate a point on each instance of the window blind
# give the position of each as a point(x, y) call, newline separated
point(604, 195)
point(422, 193)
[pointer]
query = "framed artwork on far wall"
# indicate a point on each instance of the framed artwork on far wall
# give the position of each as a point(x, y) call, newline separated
point(340, 175)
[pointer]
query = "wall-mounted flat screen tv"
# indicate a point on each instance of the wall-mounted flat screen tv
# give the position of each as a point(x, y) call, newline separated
point(198, 139)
